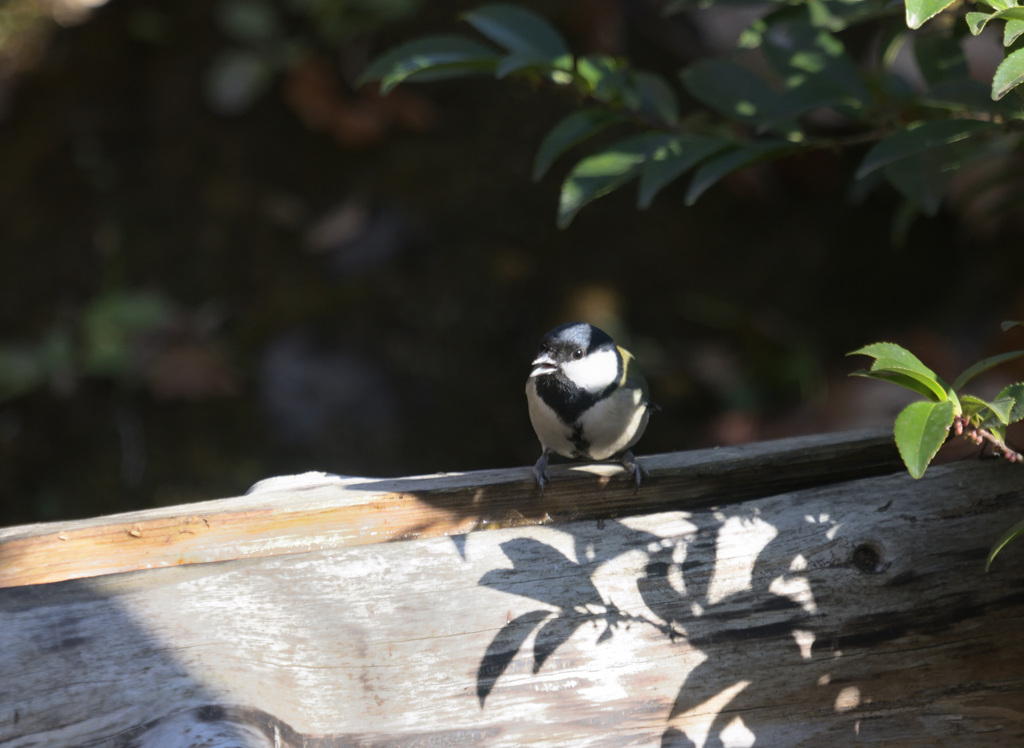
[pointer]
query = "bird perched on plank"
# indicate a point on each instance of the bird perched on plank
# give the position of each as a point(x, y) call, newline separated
point(587, 399)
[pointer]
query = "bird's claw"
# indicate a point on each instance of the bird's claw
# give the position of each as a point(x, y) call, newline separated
point(636, 471)
point(540, 471)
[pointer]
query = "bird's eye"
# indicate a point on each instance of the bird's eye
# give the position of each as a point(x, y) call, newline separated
point(577, 354)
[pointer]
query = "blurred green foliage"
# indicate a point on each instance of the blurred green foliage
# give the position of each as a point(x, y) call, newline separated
point(265, 41)
point(105, 343)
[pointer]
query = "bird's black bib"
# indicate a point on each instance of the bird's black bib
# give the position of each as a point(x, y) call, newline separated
point(565, 398)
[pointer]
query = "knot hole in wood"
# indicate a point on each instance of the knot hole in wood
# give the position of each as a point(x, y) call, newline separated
point(867, 558)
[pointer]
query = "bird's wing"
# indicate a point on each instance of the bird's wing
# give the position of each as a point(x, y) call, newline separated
point(631, 376)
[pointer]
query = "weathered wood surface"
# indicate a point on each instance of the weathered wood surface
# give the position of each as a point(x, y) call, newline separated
point(333, 512)
point(855, 614)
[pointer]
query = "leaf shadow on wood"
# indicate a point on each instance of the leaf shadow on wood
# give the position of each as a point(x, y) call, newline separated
point(805, 635)
point(677, 615)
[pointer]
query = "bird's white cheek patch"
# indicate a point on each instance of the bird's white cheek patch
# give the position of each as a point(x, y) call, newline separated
point(595, 372)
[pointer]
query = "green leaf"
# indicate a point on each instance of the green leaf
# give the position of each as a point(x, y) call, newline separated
point(814, 66)
point(837, 16)
point(924, 177)
point(602, 74)
point(984, 365)
point(656, 97)
point(923, 184)
point(802, 100)
point(896, 364)
point(973, 405)
point(859, 190)
point(517, 63)
point(988, 414)
point(1001, 407)
point(726, 163)
point(429, 59)
point(521, 32)
point(977, 21)
point(679, 156)
point(734, 92)
point(1010, 324)
point(893, 356)
point(919, 11)
point(569, 132)
point(1016, 392)
point(1010, 535)
point(917, 138)
point(1009, 75)
point(603, 172)
point(1014, 28)
point(920, 430)
point(610, 80)
point(940, 58)
point(828, 15)
point(913, 382)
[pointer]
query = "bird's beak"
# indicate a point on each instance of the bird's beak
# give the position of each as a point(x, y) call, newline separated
point(543, 364)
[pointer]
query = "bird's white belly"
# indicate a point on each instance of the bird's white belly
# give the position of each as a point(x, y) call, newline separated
point(615, 424)
point(611, 426)
point(553, 433)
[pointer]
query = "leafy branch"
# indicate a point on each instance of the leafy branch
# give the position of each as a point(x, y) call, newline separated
point(1010, 72)
point(750, 113)
point(923, 427)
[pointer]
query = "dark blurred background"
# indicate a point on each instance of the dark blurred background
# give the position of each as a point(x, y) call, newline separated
point(220, 261)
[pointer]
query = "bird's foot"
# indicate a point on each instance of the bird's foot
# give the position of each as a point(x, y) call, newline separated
point(540, 470)
point(636, 471)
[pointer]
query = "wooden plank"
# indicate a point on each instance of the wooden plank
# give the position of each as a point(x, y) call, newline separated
point(853, 614)
point(333, 512)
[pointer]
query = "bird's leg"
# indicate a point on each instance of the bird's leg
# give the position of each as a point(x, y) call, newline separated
point(636, 471)
point(540, 469)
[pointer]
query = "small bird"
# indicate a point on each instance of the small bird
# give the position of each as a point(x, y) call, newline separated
point(587, 399)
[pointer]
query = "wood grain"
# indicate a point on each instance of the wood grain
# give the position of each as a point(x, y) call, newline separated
point(857, 613)
point(333, 512)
